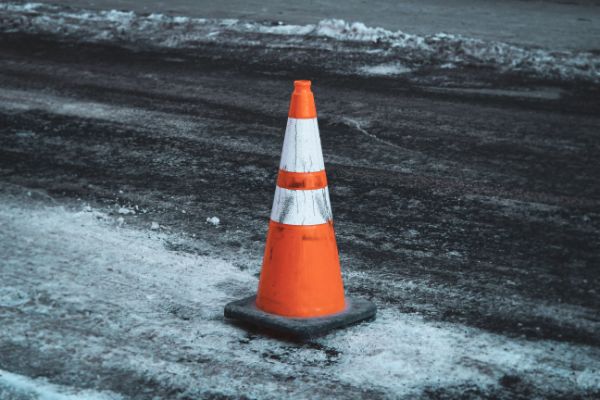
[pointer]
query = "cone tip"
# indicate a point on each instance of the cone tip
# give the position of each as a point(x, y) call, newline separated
point(302, 85)
point(302, 104)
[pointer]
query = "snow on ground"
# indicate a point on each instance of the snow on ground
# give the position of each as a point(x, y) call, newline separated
point(21, 387)
point(213, 220)
point(160, 30)
point(566, 25)
point(385, 69)
point(96, 298)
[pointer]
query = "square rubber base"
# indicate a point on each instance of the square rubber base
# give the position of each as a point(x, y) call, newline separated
point(245, 311)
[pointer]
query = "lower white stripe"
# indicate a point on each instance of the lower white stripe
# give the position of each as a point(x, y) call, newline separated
point(301, 207)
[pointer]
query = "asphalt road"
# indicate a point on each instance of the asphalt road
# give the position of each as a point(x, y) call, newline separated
point(472, 210)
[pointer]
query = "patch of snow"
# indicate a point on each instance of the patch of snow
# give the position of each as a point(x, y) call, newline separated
point(12, 297)
point(388, 69)
point(213, 220)
point(154, 226)
point(125, 210)
point(411, 353)
point(39, 388)
point(122, 18)
point(22, 7)
point(413, 233)
point(281, 28)
point(353, 31)
point(25, 135)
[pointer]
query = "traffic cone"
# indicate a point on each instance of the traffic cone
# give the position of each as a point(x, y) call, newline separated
point(301, 292)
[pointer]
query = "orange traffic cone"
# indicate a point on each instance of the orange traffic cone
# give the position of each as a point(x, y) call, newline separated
point(301, 292)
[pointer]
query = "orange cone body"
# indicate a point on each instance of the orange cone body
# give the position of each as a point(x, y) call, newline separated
point(301, 275)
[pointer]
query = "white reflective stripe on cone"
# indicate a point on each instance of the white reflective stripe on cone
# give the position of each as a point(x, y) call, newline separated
point(302, 146)
point(301, 207)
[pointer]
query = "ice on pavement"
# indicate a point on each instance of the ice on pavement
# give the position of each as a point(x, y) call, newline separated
point(116, 301)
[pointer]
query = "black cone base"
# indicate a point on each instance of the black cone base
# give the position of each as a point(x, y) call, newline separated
point(245, 311)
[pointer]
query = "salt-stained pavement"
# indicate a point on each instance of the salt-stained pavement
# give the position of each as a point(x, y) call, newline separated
point(138, 157)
